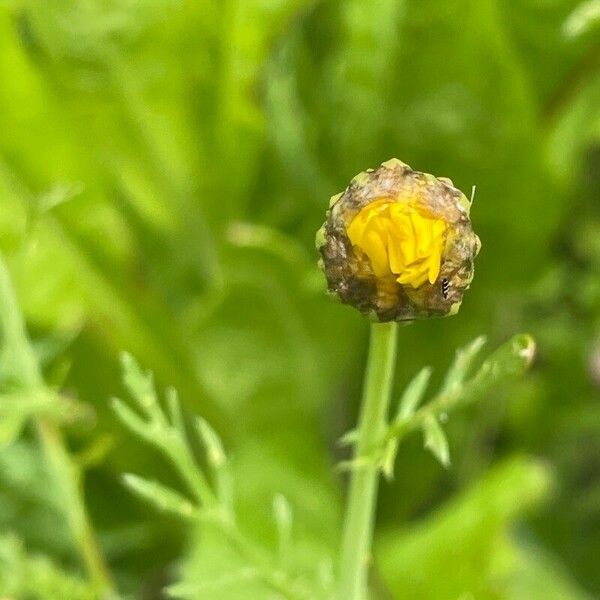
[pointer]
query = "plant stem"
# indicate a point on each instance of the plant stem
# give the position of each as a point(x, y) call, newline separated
point(360, 508)
point(65, 472)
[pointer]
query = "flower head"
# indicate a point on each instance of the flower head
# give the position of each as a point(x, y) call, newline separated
point(398, 244)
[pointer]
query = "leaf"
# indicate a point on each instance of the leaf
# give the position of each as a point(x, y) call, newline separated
point(356, 464)
point(584, 18)
point(40, 402)
point(141, 385)
point(95, 452)
point(475, 529)
point(129, 418)
point(11, 427)
point(349, 438)
point(212, 442)
point(174, 411)
point(436, 441)
point(217, 585)
point(25, 575)
point(410, 399)
point(510, 360)
point(282, 512)
point(359, 73)
point(217, 459)
point(462, 362)
point(162, 497)
point(413, 393)
point(575, 127)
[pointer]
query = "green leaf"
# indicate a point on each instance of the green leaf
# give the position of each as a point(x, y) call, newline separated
point(510, 360)
point(129, 418)
point(436, 441)
point(212, 442)
point(463, 360)
point(216, 585)
point(356, 464)
point(174, 411)
point(359, 75)
point(11, 427)
point(41, 402)
point(217, 459)
point(349, 438)
point(282, 512)
point(474, 528)
point(141, 386)
point(409, 401)
point(584, 18)
point(160, 496)
point(27, 575)
point(413, 393)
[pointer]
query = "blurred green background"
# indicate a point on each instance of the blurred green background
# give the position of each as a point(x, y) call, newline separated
point(164, 165)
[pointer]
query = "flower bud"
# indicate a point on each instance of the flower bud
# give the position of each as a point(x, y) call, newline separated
point(398, 244)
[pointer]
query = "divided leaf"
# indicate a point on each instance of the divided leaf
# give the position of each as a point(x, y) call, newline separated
point(463, 361)
point(508, 361)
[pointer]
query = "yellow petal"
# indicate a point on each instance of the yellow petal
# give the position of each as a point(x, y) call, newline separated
point(434, 267)
point(419, 280)
point(423, 235)
point(376, 251)
point(396, 258)
point(399, 239)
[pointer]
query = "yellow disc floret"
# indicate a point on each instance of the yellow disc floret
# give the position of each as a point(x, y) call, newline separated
point(399, 240)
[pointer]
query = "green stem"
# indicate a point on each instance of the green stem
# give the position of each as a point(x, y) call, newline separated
point(66, 473)
point(360, 511)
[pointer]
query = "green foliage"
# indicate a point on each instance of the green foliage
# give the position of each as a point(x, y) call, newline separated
point(212, 504)
point(509, 360)
point(163, 168)
point(473, 533)
point(31, 576)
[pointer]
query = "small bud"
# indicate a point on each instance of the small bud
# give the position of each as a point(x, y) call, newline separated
point(398, 245)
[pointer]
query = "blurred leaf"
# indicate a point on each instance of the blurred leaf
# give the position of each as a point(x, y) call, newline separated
point(162, 497)
point(358, 71)
point(129, 418)
point(36, 576)
point(413, 393)
point(575, 126)
point(283, 519)
point(212, 443)
point(409, 401)
point(436, 441)
point(11, 427)
point(582, 19)
point(509, 360)
point(140, 384)
point(459, 369)
point(466, 547)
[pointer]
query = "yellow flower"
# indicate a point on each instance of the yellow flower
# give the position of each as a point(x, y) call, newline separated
point(398, 245)
point(399, 240)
